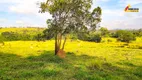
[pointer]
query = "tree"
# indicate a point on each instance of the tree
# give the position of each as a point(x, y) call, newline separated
point(104, 31)
point(125, 36)
point(69, 16)
point(95, 37)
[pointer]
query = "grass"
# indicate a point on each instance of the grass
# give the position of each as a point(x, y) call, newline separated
point(32, 60)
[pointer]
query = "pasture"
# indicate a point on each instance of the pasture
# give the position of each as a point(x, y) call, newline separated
point(32, 60)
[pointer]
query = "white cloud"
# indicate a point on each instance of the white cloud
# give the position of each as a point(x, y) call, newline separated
point(20, 1)
point(24, 7)
point(28, 9)
point(3, 20)
point(130, 23)
point(103, 0)
point(19, 22)
point(118, 12)
point(131, 2)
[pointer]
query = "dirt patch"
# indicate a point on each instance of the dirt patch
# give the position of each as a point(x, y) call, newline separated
point(61, 54)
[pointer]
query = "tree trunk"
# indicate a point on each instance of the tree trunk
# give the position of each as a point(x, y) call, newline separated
point(64, 43)
point(56, 45)
point(58, 39)
point(58, 42)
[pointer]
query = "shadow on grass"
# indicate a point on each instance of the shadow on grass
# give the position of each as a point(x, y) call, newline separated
point(47, 66)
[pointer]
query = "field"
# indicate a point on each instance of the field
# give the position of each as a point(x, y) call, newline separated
point(32, 60)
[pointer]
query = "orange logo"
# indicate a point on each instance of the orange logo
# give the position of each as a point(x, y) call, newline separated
point(129, 9)
point(126, 9)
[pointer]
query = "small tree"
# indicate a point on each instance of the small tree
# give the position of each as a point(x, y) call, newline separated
point(104, 31)
point(69, 16)
point(125, 36)
point(95, 37)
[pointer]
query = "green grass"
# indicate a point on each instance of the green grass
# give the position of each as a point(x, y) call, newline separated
point(32, 60)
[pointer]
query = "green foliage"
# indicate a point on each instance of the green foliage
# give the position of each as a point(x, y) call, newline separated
point(15, 34)
point(47, 33)
point(137, 33)
point(125, 36)
point(10, 35)
point(40, 37)
point(95, 37)
point(70, 16)
point(73, 37)
point(104, 31)
point(83, 36)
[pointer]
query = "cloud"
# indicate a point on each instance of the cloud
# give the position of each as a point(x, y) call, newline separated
point(117, 12)
point(19, 22)
point(2, 20)
point(103, 0)
point(24, 7)
point(28, 7)
point(131, 2)
point(20, 1)
point(130, 23)
point(25, 13)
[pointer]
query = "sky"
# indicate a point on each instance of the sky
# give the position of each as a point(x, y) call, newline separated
point(23, 13)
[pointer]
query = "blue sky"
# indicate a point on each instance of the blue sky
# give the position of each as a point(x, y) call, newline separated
point(25, 13)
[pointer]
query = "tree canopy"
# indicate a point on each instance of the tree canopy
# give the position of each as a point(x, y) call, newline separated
point(70, 16)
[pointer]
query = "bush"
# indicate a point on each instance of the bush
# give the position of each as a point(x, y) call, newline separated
point(14, 36)
point(125, 36)
point(48, 34)
point(104, 31)
point(40, 37)
point(95, 37)
point(73, 37)
point(83, 36)
point(10, 36)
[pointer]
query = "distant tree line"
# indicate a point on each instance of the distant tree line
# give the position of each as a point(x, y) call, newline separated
point(24, 35)
point(96, 36)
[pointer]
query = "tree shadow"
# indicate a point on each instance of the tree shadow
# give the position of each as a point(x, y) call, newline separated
point(51, 67)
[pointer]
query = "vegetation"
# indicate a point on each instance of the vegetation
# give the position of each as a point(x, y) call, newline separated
point(24, 34)
point(85, 60)
point(69, 16)
point(93, 37)
point(125, 36)
point(91, 54)
point(104, 31)
point(32, 60)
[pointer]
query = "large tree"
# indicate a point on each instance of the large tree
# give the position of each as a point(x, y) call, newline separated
point(69, 16)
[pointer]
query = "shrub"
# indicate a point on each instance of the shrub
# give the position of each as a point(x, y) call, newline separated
point(48, 34)
point(95, 37)
point(73, 37)
point(83, 36)
point(10, 36)
point(104, 31)
point(40, 37)
point(125, 36)
point(109, 40)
